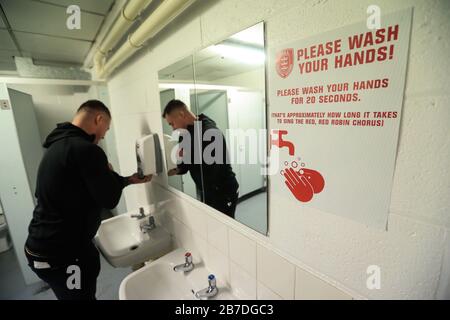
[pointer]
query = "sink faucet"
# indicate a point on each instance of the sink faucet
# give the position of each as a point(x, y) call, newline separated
point(140, 215)
point(210, 291)
point(188, 265)
point(149, 226)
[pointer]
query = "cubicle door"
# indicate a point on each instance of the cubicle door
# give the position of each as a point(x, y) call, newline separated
point(21, 153)
point(28, 134)
point(248, 109)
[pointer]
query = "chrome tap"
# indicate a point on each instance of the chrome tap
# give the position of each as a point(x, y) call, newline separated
point(188, 265)
point(149, 226)
point(140, 215)
point(210, 291)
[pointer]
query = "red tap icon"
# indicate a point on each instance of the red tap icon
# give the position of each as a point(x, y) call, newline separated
point(280, 143)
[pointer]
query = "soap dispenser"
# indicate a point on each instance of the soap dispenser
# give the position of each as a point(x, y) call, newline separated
point(148, 155)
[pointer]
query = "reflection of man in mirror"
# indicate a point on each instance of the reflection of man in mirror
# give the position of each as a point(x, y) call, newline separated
point(217, 186)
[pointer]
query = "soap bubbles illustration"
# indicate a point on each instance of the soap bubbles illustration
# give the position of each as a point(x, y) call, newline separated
point(294, 164)
point(302, 164)
point(286, 163)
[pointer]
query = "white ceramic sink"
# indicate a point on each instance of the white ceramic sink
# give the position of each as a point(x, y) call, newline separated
point(158, 281)
point(123, 243)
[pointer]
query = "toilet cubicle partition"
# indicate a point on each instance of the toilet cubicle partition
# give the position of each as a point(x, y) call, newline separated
point(21, 152)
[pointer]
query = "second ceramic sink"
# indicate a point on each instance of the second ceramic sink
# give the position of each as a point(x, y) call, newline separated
point(158, 281)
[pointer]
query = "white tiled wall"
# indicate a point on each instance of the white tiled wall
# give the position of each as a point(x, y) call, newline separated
point(218, 235)
point(242, 261)
point(218, 263)
point(199, 249)
point(275, 272)
point(242, 283)
point(243, 251)
point(264, 293)
point(309, 287)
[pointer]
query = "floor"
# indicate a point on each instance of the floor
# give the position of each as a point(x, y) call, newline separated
point(253, 212)
point(13, 287)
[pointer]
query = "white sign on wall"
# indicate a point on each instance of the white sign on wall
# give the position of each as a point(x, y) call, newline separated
point(335, 108)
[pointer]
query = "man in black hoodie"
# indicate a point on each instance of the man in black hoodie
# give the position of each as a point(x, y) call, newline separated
point(75, 182)
point(215, 180)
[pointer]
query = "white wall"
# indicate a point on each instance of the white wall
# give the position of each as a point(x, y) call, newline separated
point(54, 104)
point(316, 254)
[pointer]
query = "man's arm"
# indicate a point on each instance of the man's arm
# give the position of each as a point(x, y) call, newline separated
point(176, 171)
point(133, 179)
point(181, 168)
point(104, 185)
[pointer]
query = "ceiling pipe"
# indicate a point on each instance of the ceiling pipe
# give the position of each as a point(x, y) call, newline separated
point(127, 17)
point(108, 23)
point(161, 17)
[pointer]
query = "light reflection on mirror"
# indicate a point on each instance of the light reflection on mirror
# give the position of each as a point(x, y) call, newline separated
point(228, 87)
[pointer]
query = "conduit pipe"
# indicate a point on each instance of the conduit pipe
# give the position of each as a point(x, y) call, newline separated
point(161, 17)
point(127, 17)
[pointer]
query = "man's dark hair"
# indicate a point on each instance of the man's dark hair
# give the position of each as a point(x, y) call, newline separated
point(172, 106)
point(94, 105)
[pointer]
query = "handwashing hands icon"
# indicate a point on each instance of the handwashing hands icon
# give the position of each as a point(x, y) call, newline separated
point(303, 183)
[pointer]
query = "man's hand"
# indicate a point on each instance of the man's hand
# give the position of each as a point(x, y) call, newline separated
point(172, 172)
point(134, 179)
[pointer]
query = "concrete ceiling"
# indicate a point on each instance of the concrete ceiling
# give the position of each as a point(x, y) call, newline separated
point(37, 29)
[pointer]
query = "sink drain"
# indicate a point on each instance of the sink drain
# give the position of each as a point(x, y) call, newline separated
point(134, 248)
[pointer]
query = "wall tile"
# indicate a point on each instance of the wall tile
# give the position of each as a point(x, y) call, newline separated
point(199, 249)
point(218, 264)
point(218, 235)
point(166, 221)
point(182, 233)
point(243, 251)
point(197, 221)
point(309, 287)
point(275, 272)
point(243, 284)
point(264, 293)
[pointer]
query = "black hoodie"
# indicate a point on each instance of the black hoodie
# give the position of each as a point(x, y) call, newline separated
point(210, 179)
point(74, 183)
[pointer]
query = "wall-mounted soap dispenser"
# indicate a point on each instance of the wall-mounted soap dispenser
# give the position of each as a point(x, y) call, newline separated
point(148, 154)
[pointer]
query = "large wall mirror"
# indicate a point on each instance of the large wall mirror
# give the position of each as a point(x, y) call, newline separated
point(221, 90)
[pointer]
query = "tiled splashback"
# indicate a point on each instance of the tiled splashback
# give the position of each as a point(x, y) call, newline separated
point(238, 257)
